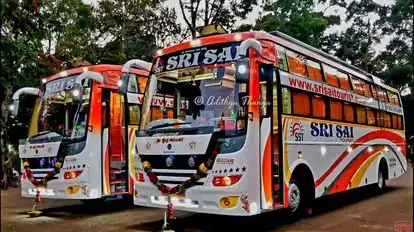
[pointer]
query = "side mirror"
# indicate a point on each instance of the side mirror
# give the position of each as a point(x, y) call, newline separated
point(242, 70)
point(14, 107)
point(123, 84)
point(77, 93)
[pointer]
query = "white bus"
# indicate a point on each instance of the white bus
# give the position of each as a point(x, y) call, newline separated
point(294, 124)
point(78, 141)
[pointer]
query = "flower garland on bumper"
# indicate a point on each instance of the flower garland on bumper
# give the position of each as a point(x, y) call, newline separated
point(63, 151)
point(44, 180)
point(180, 188)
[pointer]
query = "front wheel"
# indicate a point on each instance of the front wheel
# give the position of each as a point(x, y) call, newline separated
point(297, 200)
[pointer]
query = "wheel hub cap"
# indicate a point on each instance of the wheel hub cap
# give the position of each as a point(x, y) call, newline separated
point(294, 196)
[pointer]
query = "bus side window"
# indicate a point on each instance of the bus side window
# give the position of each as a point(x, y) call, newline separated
point(142, 83)
point(267, 74)
point(399, 120)
point(296, 63)
point(374, 92)
point(371, 116)
point(366, 88)
point(380, 118)
point(344, 81)
point(331, 75)
point(361, 115)
point(286, 101)
point(335, 110)
point(132, 84)
point(393, 98)
point(301, 103)
point(281, 58)
point(134, 114)
point(349, 112)
point(394, 121)
point(314, 70)
point(387, 120)
point(318, 107)
point(357, 84)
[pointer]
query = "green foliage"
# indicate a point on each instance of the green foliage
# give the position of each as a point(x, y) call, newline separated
point(68, 27)
point(20, 42)
point(297, 18)
point(133, 29)
point(205, 12)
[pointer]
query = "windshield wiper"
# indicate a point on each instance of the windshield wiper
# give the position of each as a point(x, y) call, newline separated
point(168, 124)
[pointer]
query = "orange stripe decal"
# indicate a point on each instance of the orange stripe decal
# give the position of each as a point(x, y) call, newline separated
point(344, 179)
point(393, 137)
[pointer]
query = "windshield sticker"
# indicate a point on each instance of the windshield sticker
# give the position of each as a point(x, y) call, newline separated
point(203, 56)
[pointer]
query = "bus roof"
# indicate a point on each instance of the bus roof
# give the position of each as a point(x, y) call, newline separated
point(95, 68)
point(281, 39)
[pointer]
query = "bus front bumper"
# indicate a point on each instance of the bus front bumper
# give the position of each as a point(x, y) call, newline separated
point(200, 199)
point(60, 189)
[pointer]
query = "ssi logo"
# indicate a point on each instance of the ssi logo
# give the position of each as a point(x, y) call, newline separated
point(296, 130)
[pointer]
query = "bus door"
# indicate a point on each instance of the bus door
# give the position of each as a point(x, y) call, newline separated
point(269, 137)
point(115, 160)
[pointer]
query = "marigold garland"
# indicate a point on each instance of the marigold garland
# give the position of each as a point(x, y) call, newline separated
point(201, 172)
point(43, 182)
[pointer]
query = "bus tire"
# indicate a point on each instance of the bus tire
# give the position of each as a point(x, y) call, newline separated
point(382, 176)
point(297, 200)
point(301, 193)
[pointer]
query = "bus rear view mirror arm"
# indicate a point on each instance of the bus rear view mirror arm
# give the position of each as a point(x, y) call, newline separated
point(140, 64)
point(126, 69)
point(14, 107)
point(77, 87)
point(242, 65)
point(250, 43)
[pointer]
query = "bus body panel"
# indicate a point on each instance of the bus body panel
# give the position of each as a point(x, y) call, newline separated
point(341, 156)
point(85, 186)
point(207, 198)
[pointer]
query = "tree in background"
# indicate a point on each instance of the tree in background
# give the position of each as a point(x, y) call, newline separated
point(356, 44)
point(20, 41)
point(68, 26)
point(133, 29)
point(397, 59)
point(198, 13)
point(297, 18)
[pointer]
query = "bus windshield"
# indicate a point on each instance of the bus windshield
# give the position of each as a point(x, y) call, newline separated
point(208, 95)
point(58, 114)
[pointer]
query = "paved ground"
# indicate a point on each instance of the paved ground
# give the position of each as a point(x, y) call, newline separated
point(359, 210)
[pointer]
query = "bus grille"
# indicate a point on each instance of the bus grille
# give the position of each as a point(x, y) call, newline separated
point(178, 172)
point(39, 174)
point(41, 166)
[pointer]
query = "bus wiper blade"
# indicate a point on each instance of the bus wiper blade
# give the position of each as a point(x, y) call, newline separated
point(169, 124)
point(40, 134)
